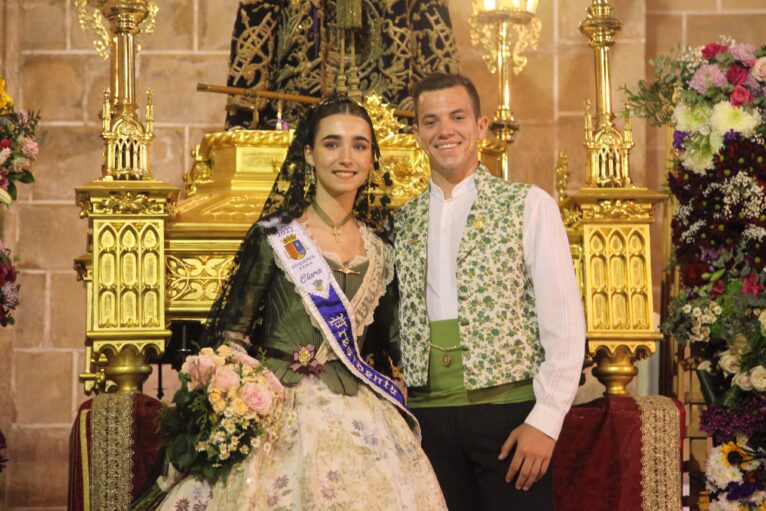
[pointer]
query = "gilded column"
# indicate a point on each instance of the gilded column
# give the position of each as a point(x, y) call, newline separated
point(127, 211)
point(608, 222)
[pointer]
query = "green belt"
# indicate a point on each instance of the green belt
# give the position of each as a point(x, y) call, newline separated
point(445, 376)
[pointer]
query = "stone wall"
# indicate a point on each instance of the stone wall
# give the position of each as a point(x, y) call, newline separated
point(50, 65)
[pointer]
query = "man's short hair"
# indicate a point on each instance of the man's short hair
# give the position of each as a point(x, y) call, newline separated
point(439, 81)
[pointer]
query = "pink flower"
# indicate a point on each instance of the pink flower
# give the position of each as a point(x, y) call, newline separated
point(258, 398)
point(224, 379)
point(10, 294)
point(739, 96)
point(708, 75)
point(736, 75)
point(200, 369)
point(750, 284)
point(712, 49)
point(239, 355)
point(305, 361)
point(718, 288)
point(4, 182)
point(743, 52)
point(759, 69)
point(30, 148)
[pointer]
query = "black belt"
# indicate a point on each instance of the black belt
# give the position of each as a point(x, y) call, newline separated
point(276, 353)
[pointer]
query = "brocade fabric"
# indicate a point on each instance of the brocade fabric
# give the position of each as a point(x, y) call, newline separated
point(289, 46)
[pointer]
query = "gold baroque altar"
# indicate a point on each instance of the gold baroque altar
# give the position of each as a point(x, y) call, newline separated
point(154, 259)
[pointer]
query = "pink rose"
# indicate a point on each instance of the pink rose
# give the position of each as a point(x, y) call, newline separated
point(736, 75)
point(30, 148)
point(712, 49)
point(258, 398)
point(240, 356)
point(200, 369)
point(224, 379)
point(759, 69)
point(739, 96)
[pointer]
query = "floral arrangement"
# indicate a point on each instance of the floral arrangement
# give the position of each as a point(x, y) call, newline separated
point(18, 146)
point(9, 290)
point(735, 472)
point(228, 405)
point(715, 98)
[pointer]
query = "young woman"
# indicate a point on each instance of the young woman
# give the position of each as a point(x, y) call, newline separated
point(312, 289)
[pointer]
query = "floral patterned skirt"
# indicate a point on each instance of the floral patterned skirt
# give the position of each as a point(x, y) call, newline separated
point(339, 453)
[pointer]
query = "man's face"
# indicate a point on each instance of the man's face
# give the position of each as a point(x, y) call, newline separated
point(448, 131)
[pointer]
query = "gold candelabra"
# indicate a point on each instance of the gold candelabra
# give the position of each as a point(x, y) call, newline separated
point(505, 28)
point(609, 220)
point(127, 211)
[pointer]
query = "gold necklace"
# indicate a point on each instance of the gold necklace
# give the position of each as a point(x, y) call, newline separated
point(328, 221)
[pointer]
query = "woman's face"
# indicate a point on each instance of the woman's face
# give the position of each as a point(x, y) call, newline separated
point(342, 154)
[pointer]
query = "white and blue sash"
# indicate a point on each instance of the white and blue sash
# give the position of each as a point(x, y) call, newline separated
point(329, 306)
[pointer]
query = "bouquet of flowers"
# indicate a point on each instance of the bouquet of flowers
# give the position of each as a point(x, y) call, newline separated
point(228, 405)
point(18, 146)
point(9, 290)
point(715, 98)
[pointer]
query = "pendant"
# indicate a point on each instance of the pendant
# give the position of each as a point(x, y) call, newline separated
point(446, 359)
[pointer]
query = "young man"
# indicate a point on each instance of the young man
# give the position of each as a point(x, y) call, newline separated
point(493, 333)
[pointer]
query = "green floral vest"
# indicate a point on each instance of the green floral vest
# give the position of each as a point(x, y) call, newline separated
point(496, 303)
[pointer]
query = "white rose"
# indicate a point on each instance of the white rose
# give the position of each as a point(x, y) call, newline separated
point(704, 366)
point(759, 69)
point(758, 378)
point(742, 380)
point(729, 362)
point(762, 319)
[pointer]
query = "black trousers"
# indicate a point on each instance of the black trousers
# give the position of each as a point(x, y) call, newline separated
point(463, 444)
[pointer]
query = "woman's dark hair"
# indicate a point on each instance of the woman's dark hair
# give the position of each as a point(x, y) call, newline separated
point(294, 189)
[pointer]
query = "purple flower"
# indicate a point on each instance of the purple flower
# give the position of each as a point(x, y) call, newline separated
point(739, 491)
point(723, 424)
point(731, 136)
point(743, 52)
point(708, 75)
point(304, 360)
point(678, 139)
point(710, 254)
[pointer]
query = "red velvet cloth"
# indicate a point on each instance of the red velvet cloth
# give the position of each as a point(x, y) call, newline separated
point(147, 449)
point(76, 476)
point(597, 461)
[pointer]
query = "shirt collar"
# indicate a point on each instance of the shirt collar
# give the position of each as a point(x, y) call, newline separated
point(464, 187)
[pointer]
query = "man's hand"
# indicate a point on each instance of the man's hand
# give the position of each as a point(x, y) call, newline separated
point(533, 455)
